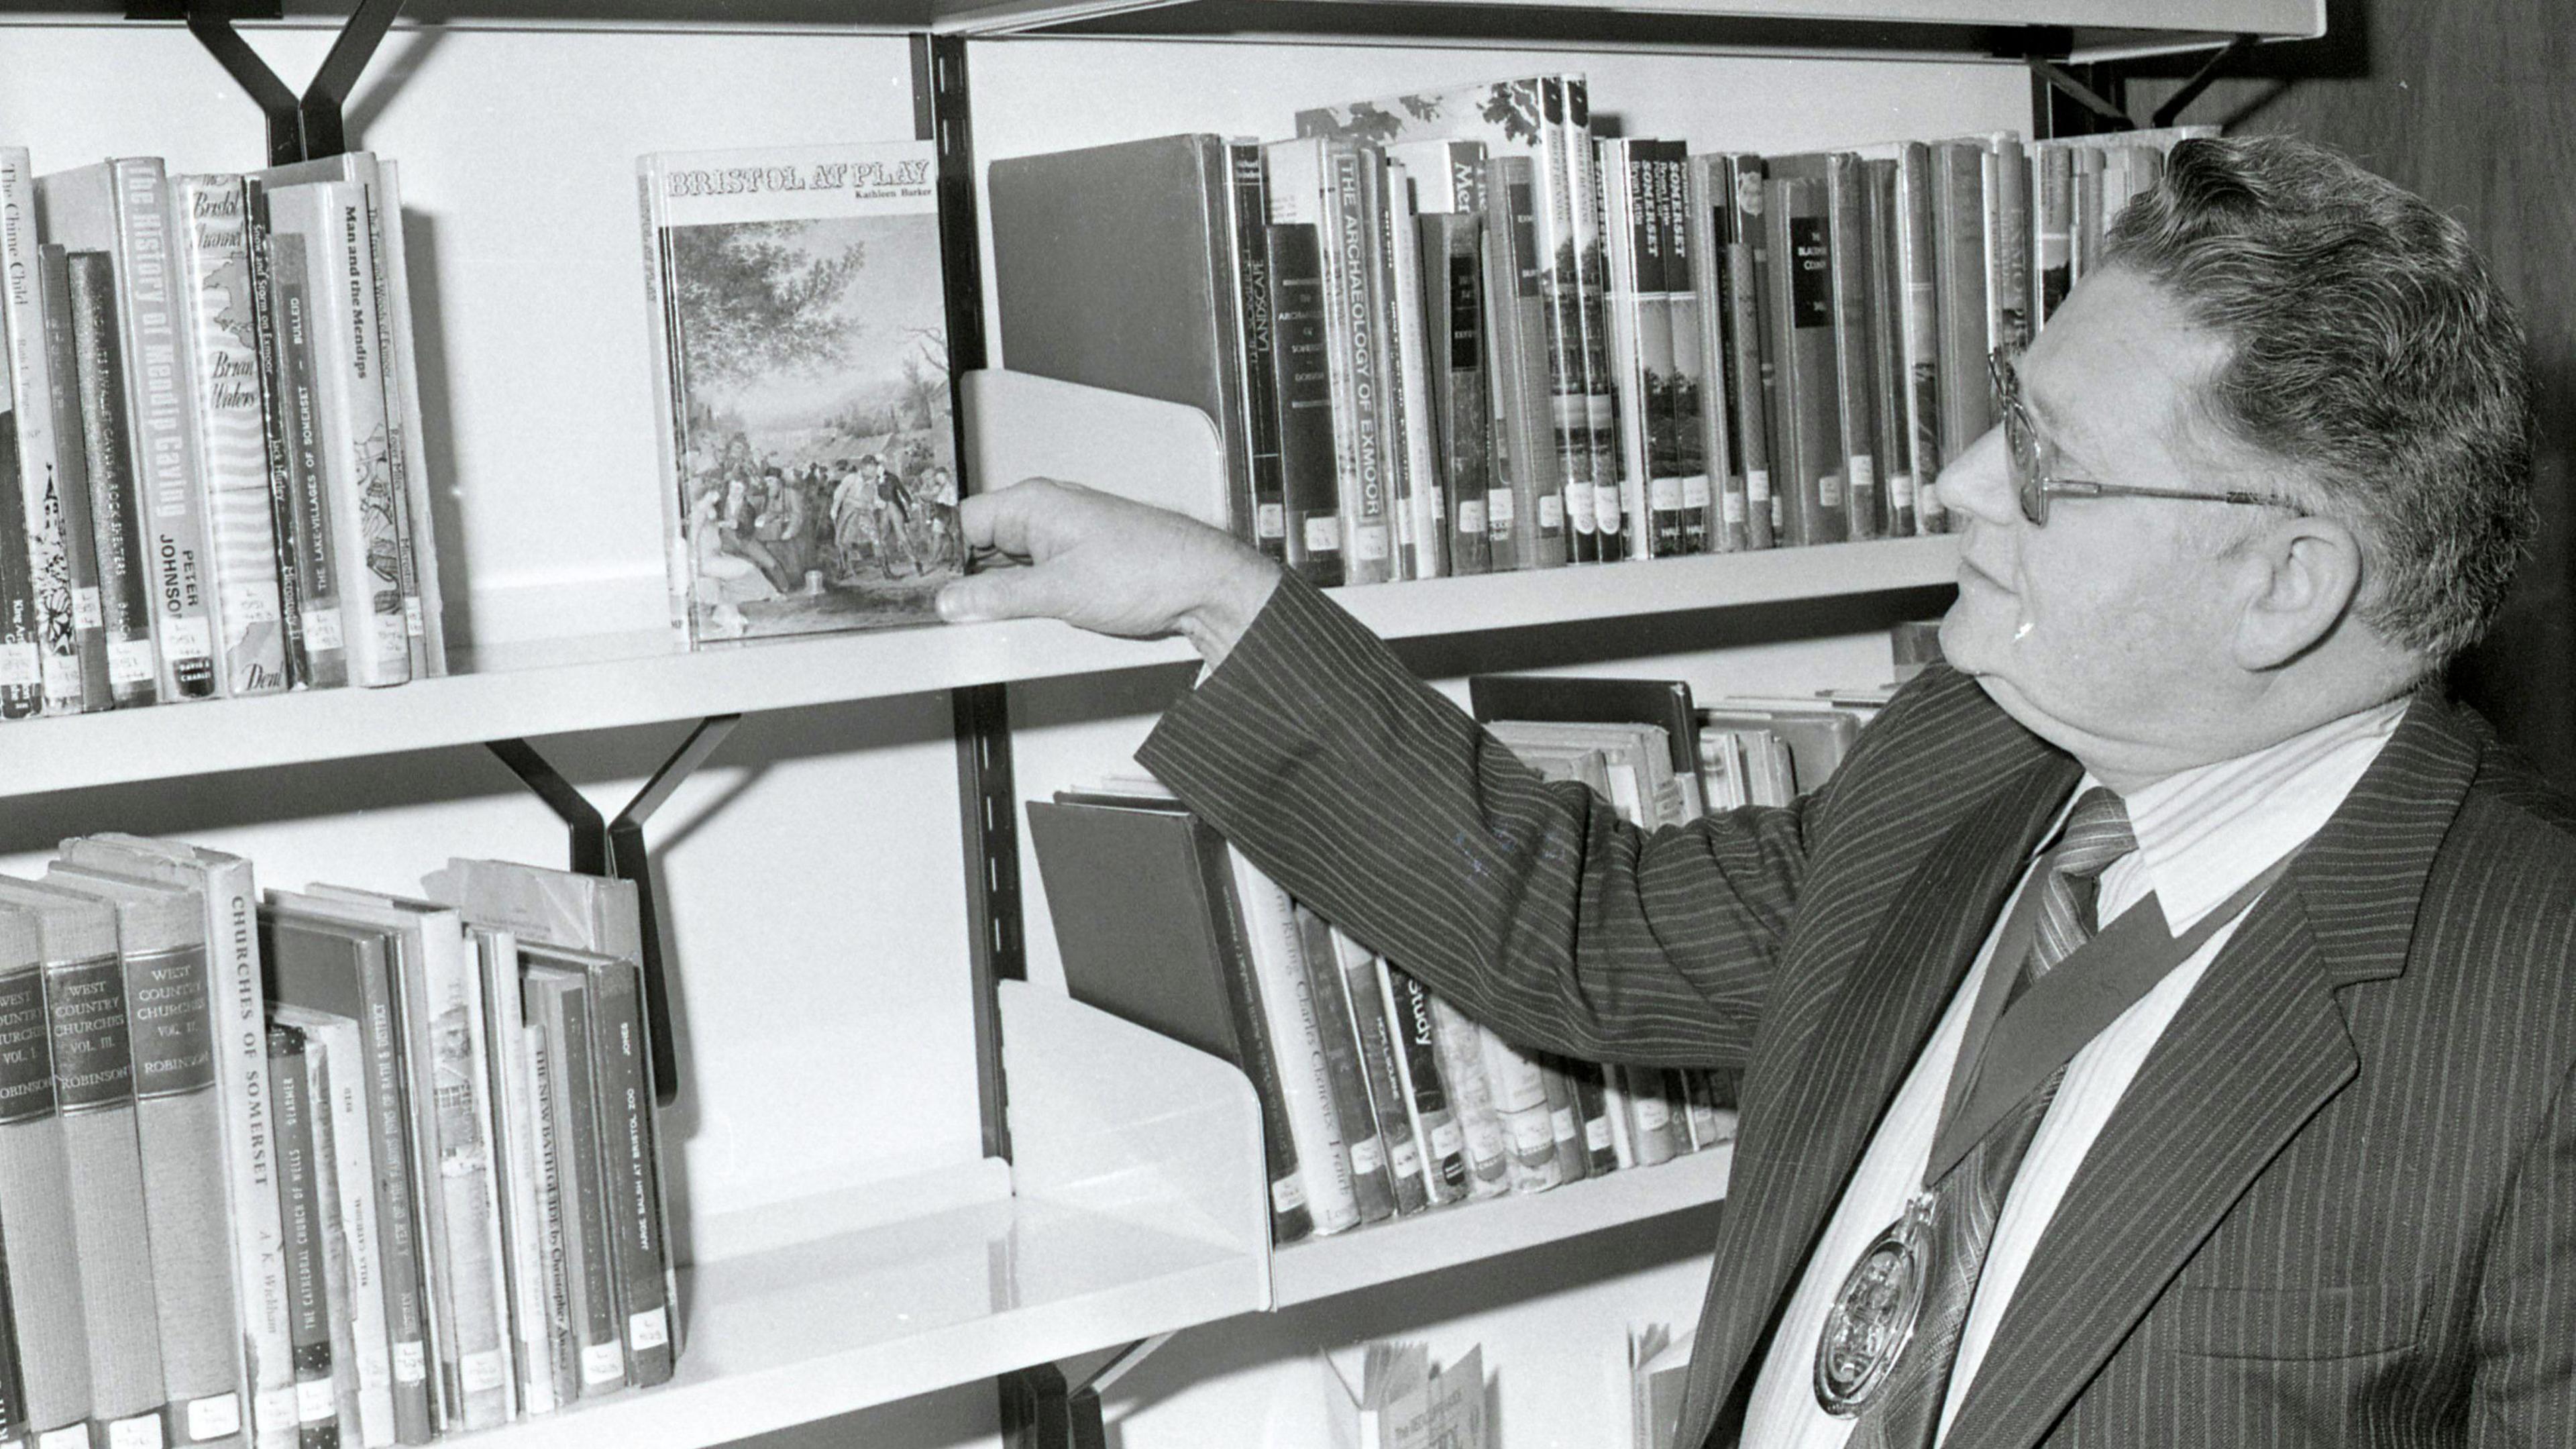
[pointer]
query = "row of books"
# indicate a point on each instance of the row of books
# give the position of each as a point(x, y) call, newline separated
point(211, 473)
point(306, 1169)
point(1456, 331)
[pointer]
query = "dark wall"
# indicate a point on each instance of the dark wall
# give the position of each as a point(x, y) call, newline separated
point(2472, 104)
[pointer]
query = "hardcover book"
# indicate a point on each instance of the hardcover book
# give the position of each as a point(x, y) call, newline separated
point(44, 1305)
point(809, 460)
point(60, 363)
point(107, 452)
point(301, 1208)
point(52, 615)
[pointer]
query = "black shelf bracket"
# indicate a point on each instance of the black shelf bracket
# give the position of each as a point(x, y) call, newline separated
point(303, 127)
point(616, 848)
point(1044, 1410)
point(2216, 66)
point(2063, 81)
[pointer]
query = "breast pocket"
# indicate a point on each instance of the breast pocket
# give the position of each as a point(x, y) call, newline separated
point(2349, 1321)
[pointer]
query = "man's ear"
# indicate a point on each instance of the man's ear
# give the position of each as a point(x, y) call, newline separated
point(2301, 577)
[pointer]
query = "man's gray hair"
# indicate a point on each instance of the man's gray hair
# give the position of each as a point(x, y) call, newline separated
point(2373, 354)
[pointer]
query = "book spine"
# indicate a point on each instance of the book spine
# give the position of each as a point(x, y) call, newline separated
point(1889, 381)
point(1802, 301)
point(22, 675)
point(1591, 1106)
point(125, 587)
point(1650, 1118)
point(45, 1313)
point(1443, 1147)
point(555, 1206)
point(1565, 1121)
point(1378, 207)
point(521, 1221)
point(1367, 1009)
point(389, 313)
point(1250, 212)
point(389, 1145)
point(1526, 501)
point(1559, 268)
point(306, 507)
point(2054, 217)
point(14, 1423)
point(1519, 1094)
point(300, 1209)
point(1623, 310)
point(339, 1309)
point(1681, 451)
point(459, 1121)
point(625, 1094)
point(1614, 510)
point(349, 407)
point(71, 478)
point(1270, 923)
point(1352, 323)
point(1920, 336)
point(2008, 238)
point(1426, 490)
point(1855, 394)
point(1462, 1070)
point(164, 448)
point(1453, 297)
point(1748, 351)
point(668, 405)
point(1959, 243)
point(344, 1106)
point(1289, 1218)
point(1309, 451)
point(2090, 192)
point(1703, 255)
point(94, 1092)
point(229, 413)
point(39, 442)
point(179, 1124)
point(601, 1342)
point(1345, 1081)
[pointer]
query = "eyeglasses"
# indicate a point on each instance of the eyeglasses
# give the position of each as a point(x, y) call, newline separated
point(2034, 461)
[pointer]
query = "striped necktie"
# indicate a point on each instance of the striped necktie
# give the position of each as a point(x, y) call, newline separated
point(1906, 1412)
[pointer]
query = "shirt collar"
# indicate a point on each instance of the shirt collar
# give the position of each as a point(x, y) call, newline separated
point(2204, 832)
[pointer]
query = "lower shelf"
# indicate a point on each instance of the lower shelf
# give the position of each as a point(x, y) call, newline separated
point(1469, 1232)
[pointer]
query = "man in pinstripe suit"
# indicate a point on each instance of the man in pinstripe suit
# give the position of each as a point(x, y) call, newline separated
point(2311, 1179)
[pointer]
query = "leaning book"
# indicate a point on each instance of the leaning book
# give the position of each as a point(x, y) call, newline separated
point(810, 472)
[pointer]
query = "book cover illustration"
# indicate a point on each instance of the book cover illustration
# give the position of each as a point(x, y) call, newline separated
point(809, 449)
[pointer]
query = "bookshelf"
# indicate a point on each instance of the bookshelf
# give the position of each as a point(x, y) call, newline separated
point(852, 1243)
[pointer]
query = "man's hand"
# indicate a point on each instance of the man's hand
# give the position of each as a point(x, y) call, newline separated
point(1106, 564)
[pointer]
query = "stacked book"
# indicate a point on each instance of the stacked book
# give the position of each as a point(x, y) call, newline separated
point(319, 1168)
point(211, 471)
point(1379, 1099)
point(1457, 331)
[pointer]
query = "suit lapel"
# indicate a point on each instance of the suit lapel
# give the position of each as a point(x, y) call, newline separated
point(1801, 1143)
point(2258, 1049)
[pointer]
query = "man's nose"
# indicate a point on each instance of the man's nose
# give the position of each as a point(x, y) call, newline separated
point(1979, 482)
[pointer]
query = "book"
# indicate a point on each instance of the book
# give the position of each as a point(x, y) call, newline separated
point(326, 221)
point(2053, 214)
point(1886, 351)
point(809, 460)
point(1365, 1001)
point(1278, 956)
point(337, 1098)
point(1462, 1071)
point(22, 653)
point(1451, 251)
point(61, 364)
point(1148, 925)
point(224, 882)
point(1309, 449)
point(1568, 103)
point(1321, 183)
point(1628, 252)
point(2006, 168)
point(1118, 266)
point(1422, 493)
point(221, 346)
point(300, 502)
point(1919, 331)
point(1805, 409)
point(122, 208)
point(543, 1374)
point(318, 961)
point(93, 1069)
point(179, 1128)
point(107, 455)
point(1736, 192)
point(556, 1001)
point(1678, 463)
point(1345, 1079)
point(1442, 1144)
point(557, 1199)
point(27, 392)
point(1525, 510)
point(1662, 703)
point(300, 1208)
point(45, 1317)
point(339, 1309)
point(1959, 264)
point(1248, 216)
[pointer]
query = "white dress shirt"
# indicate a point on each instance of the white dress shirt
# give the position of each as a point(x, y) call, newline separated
point(2202, 834)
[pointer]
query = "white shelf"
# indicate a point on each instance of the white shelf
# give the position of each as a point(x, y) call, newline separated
point(1469, 1232)
point(628, 680)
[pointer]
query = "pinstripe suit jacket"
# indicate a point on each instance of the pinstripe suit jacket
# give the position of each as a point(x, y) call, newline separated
point(2337, 1206)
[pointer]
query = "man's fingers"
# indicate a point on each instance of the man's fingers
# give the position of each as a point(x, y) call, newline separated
point(1011, 593)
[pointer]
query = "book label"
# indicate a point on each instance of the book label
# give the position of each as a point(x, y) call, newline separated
point(1471, 515)
point(1405, 1160)
point(649, 1329)
point(62, 675)
point(1579, 503)
point(93, 1063)
point(322, 628)
point(1366, 1157)
point(1498, 509)
point(1733, 509)
point(26, 1049)
point(70, 1436)
point(1862, 469)
point(1596, 1134)
point(603, 1363)
point(250, 604)
point(215, 1417)
point(1829, 489)
point(87, 611)
point(1369, 542)
point(1900, 489)
point(273, 1407)
point(1665, 494)
point(129, 661)
point(1695, 493)
point(143, 1431)
point(1323, 533)
point(314, 1401)
point(187, 638)
point(1447, 1140)
point(482, 1372)
point(1272, 520)
point(19, 667)
point(174, 1050)
point(1757, 485)
point(411, 1363)
point(1551, 512)
point(1287, 1195)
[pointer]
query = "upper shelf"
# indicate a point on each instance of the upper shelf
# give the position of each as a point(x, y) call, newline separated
point(614, 682)
point(2085, 29)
